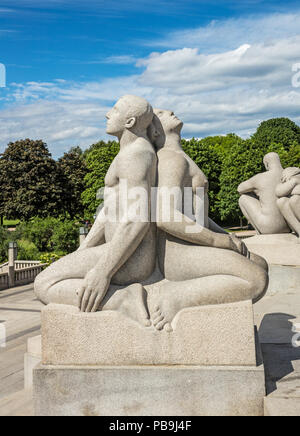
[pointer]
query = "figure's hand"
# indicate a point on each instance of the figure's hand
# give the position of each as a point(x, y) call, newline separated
point(239, 246)
point(93, 291)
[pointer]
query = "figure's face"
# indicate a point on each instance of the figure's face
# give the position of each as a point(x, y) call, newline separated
point(169, 121)
point(116, 119)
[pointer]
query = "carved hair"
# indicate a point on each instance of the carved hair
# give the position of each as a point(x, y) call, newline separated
point(139, 108)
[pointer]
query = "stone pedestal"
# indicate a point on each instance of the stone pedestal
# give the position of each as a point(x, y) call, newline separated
point(149, 391)
point(281, 250)
point(107, 364)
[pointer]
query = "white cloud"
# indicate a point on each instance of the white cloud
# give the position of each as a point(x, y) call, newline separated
point(220, 35)
point(229, 90)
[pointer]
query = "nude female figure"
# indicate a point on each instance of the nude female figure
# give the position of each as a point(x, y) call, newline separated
point(288, 193)
point(202, 267)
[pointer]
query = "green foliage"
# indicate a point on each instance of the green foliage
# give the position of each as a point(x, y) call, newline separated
point(241, 162)
point(4, 240)
point(27, 250)
point(52, 234)
point(29, 181)
point(98, 160)
point(49, 258)
point(72, 168)
point(208, 158)
point(65, 237)
point(277, 131)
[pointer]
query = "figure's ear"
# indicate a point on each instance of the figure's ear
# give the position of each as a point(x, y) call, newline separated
point(130, 123)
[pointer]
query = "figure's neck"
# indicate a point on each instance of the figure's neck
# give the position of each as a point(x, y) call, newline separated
point(128, 137)
point(276, 167)
point(173, 141)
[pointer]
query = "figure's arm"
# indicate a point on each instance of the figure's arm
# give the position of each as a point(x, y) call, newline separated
point(248, 186)
point(96, 235)
point(285, 189)
point(214, 227)
point(127, 237)
point(178, 224)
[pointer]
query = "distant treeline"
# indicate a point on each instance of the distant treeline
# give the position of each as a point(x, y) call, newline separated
point(34, 185)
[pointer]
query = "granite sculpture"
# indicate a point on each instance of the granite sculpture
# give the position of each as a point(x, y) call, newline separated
point(152, 269)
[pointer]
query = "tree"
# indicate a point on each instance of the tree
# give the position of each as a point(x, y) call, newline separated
point(277, 131)
point(29, 180)
point(242, 161)
point(207, 157)
point(98, 160)
point(72, 168)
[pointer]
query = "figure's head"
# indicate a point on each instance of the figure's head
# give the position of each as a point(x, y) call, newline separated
point(131, 113)
point(288, 173)
point(164, 122)
point(272, 160)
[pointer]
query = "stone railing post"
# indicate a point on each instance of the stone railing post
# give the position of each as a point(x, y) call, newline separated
point(12, 257)
point(83, 232)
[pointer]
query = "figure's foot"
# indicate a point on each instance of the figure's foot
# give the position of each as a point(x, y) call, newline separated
point(167, 304)
point(131, 302)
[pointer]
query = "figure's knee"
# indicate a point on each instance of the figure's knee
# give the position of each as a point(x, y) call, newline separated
point(41, 288)
point(281, 202)
point(295, 202)
point(243, 201)
point(259, 284)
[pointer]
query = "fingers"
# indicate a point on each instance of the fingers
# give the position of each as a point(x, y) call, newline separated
point(91, 302)
point(96, 304)
point(80, 294)
point(86, 299)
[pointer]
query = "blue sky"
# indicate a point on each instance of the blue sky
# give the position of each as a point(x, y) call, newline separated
point(223, 66)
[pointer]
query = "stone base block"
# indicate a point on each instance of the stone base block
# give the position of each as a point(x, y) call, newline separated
point(276, 249)
point(149, 391)
point(211, 335)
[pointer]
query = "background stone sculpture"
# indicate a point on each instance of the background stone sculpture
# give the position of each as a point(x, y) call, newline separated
point(258, 200)
point(288, 193)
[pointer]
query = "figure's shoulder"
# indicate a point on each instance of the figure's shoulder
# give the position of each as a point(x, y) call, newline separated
point(172, 158)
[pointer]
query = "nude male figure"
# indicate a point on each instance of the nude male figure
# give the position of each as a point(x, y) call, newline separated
point(288, 193)
point(116, 256)
point(202, 267)
point(258, 200)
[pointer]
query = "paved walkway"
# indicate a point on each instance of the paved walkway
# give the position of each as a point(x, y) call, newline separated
point(20, 317)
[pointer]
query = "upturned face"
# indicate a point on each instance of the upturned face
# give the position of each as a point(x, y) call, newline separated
point(116, 119)
point(169, 121)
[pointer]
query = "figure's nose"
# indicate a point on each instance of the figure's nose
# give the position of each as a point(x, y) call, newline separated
point(107, 115)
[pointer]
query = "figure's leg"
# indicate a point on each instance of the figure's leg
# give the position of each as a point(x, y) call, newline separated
point(295, 207)
point(251, 209)
point(173, 297)
point(205, 275)
point(131, 301)
point(288, 207)
point(59, 282)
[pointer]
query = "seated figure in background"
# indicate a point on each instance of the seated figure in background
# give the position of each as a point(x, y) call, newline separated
point(258, 200)
point(288, 193)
